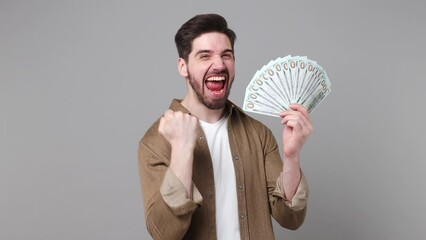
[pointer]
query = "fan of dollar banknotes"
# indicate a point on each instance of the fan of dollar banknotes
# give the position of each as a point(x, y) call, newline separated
point(291, 79)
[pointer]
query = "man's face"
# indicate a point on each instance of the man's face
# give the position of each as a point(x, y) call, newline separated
point(210, 69)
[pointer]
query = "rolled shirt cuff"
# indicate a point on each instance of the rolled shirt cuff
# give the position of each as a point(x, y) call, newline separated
point(174, 195)
point(299, 199)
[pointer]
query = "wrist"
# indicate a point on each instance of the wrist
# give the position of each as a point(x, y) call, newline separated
point(291, 163)
point(291, 158)
point(182, 146)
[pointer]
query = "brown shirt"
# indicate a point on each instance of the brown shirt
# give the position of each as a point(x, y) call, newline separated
point(258, 166)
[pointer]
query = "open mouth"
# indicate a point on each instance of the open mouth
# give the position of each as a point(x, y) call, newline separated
point(216, 84)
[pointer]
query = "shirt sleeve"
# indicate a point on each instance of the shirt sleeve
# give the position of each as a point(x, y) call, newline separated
point(300, 198)
point(289, 214)
point(164, 220)
point(174, 194)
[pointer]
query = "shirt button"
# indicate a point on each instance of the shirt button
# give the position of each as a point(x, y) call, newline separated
point(242, 216)
point(201, 138)
point(211, 196)
point(236, 157)
point(240, 186)
point(212, 227)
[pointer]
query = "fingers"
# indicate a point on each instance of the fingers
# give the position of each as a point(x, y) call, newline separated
point(168, 113)
point(300, 108)
point(178, 127)
point(295, 122)
point(177, 117)
point(297, 107)
point(297, 117)
point(165, 119)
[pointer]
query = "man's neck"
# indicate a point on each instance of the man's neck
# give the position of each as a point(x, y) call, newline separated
point(200, 111)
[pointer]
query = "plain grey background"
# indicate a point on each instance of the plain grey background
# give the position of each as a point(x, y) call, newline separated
point(81, 81)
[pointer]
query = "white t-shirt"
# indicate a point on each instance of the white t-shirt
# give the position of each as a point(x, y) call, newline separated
point(227, 225)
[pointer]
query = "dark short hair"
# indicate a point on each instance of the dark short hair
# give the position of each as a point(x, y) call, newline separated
point(198, 25)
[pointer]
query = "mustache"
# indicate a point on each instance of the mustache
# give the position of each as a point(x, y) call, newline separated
point(224, 72)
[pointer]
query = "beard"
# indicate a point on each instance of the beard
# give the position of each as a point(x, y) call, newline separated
point(212, 104)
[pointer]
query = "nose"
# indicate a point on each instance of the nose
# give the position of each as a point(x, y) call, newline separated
point(218, 64)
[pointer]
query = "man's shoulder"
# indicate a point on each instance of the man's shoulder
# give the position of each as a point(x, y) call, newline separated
point(152, 133)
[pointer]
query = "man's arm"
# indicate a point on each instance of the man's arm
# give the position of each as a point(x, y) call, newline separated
point(288, 190)
point(165, 165)
point(297, 129)
point(179, 129)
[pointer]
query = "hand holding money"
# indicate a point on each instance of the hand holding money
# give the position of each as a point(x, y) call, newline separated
point(297, 129)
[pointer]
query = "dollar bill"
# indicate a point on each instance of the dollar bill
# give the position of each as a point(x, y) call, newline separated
point(286, 80)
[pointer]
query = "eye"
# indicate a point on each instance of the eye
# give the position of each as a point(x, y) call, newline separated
point(228, 56)
point(204, 56)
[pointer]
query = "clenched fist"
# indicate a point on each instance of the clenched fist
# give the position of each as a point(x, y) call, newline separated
point(179, 129)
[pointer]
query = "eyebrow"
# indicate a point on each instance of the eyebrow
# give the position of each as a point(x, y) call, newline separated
point(228, 50)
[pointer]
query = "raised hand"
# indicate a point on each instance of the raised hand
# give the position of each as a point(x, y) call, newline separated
point(180, 130)
point(297, 129)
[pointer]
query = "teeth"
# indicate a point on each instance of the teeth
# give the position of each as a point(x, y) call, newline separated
point(216, 78)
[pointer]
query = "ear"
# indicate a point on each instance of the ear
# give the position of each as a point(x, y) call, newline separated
point(182, 67)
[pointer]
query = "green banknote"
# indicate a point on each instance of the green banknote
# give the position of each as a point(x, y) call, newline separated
point(286, 80)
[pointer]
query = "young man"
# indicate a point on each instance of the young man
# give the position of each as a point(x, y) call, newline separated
point(209, 171)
